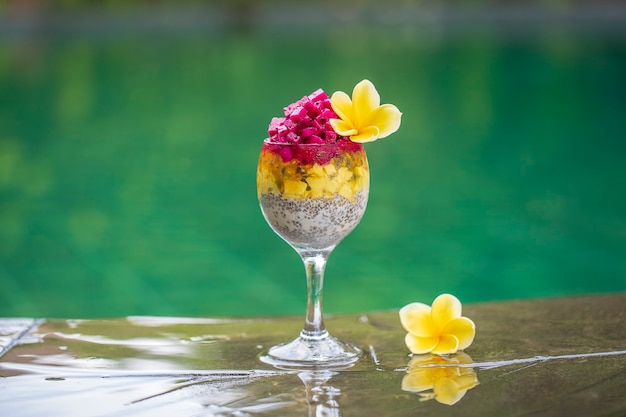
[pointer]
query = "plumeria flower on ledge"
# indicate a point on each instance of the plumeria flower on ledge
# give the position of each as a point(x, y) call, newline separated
point(439, 329)
point(363, 118)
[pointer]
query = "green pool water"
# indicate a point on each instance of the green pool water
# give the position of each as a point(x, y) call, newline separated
point(127, 169)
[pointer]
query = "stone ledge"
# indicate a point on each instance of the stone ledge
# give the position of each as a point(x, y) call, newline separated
point(548, 357)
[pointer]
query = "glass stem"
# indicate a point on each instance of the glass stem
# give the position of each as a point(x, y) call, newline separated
point(314, 265)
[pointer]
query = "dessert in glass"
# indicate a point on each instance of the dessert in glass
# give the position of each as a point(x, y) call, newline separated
point(313, 187)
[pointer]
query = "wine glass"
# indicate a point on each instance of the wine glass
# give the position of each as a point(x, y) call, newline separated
point(312, 196)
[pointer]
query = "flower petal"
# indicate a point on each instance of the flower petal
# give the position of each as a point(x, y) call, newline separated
point(448, 392)
point(468, 380)
point(445, 308)
point(418, 361)
point(463, 329)
point(342, 105)
point(342, 127)
point(463, 358)
point(419, 344)
point(387, 117)
point(365, 99)
point(448, 344)
point(415, 318)
point(367, 134)
point(418, 381)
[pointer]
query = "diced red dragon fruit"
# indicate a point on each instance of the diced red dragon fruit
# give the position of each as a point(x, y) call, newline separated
point(286, 154)
point(331, 136)
point(292, 137)
point(318, 95)
point(305, 121)
point(311, 109)
point(289, 109)
point(326, 115)
point(274, 125)
point(308, 131)
point(298, 114)
point(282, 130)
point(290, 124)
point(315, 139)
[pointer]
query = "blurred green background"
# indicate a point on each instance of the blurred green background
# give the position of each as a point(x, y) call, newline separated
point(130, 131)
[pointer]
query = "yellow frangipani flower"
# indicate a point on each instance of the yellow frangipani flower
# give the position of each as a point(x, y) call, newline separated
point(439, 329)
point(363, 118)
point(437, 377)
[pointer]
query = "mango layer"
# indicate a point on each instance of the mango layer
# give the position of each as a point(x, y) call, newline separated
point(345, 175)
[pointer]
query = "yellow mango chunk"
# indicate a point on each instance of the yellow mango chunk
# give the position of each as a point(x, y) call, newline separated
point(360, 171)
point(330, 170)
point(344, 174)
point(332, 186)
point(294, 188)
point(316, 171)
point(317, 185)
point(346, 191)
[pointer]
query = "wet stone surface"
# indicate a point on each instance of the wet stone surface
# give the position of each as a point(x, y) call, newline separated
point(552, 357)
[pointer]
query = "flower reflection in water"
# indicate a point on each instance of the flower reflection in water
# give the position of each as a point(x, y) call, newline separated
point(437, 377)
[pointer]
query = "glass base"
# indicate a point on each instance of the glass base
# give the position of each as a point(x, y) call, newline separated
point(317, 352)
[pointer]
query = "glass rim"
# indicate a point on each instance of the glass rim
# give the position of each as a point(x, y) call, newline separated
point(268, 141)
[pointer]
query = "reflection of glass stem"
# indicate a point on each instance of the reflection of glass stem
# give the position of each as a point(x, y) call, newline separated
point(321, 398)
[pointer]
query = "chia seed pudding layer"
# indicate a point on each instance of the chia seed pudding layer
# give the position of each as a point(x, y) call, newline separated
point(313, 223)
